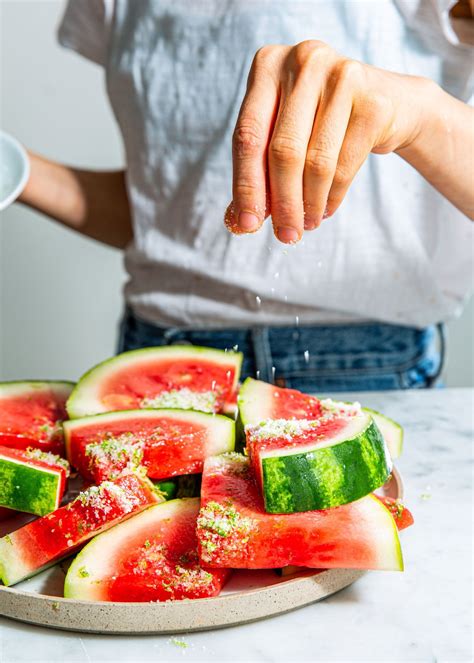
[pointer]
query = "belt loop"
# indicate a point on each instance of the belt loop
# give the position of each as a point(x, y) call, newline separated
point(262, 353)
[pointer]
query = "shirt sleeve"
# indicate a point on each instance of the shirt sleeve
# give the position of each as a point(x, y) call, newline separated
point(85, 28)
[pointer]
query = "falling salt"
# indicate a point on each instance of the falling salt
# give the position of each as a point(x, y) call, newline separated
point(258, 300)
point(306, 356)
point(213, 385)
point(273, 373)
point(285, 298)
point(272, 290)
point(297, 320)
point(258, 374)
point(320, 263)
point(235, 348)
point(277, 275)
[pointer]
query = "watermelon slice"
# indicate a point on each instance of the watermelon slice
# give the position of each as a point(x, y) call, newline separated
point(391, 431)
point(185, 377)
point(151, 557)
point(49, 539)
point(31, 414)
point(32, 480)
point(234, 531)
point(304, 465)
point(259, 401)
point(166, 442)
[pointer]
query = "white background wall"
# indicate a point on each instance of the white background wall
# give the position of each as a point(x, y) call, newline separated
point(59, 293)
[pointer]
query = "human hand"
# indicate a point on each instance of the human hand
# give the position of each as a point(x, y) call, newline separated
point(308, 121)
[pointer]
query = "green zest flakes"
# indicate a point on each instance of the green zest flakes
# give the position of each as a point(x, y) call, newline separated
point(217, 521)
point(48, 458)
point(102, 498)
point(340, 408)
point(83, 572)
point(123, 453)
point(179, 643)
point(184, 399)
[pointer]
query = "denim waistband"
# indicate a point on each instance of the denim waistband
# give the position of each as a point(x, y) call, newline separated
point(330, 354)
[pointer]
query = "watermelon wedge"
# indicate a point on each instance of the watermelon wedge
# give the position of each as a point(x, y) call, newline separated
point(304, 465)
point(259, 401)
point(32, 481)
point(31, 414)
point(184, 377)
point(151, 557)
point(49, 539)
point(234, 531)
point(391, 431)
point(167, 443)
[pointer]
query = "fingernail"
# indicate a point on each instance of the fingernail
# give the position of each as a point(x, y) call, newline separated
point(287, 235)
point(309, 225)
point(326, 214)
point(248, 221)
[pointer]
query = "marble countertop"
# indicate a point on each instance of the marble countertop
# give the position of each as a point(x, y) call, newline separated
point(424, 614)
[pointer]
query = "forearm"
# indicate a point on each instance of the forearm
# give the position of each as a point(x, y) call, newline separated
point(92, 203)
point(443, 149)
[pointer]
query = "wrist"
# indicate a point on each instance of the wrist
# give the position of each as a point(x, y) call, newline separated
point(424, 108)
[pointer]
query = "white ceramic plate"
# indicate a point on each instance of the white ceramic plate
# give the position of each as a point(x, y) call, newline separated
point(249, 596)
point(14, 169)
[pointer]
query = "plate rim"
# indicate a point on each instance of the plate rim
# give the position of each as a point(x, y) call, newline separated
point(20, 150)
point(51, 609)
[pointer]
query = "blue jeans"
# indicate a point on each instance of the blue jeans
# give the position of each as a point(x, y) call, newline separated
point(317, 358)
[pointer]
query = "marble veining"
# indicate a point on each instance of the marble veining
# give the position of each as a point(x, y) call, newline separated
point(424, 614)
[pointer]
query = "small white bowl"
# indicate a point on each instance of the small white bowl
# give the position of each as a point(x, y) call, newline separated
point(14, 169)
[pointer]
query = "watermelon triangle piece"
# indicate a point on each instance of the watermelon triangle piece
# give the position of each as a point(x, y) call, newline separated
point(31, 480)
point(184, 377)
point(151, 557)
point(45, 541)
point(165, 442)
point(234, 531)
point(259, 401)
point(31, 413)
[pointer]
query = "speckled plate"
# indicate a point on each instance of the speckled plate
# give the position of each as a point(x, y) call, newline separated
point(249, 596)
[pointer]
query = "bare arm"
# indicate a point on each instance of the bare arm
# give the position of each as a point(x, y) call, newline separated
point(93, 203)
point(443, 149)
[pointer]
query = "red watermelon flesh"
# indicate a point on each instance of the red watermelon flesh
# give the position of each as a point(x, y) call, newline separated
point(234, 531)
point(401, 514)
point(151, 557)
point(259, 401)
point(47, 540)
point(167, 443)
point(127, 389)
point(31, 414)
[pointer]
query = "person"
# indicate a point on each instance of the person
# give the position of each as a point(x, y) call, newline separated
point(353, 305)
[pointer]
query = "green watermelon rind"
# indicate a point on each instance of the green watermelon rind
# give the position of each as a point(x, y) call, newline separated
point(29, 488)
point(322, 476)
point(222, 427)
point(82, 401)
point(391, 430)
point(82, 579)
point(20, 387)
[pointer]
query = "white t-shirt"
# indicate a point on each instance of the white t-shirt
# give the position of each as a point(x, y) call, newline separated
point(176, 70)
